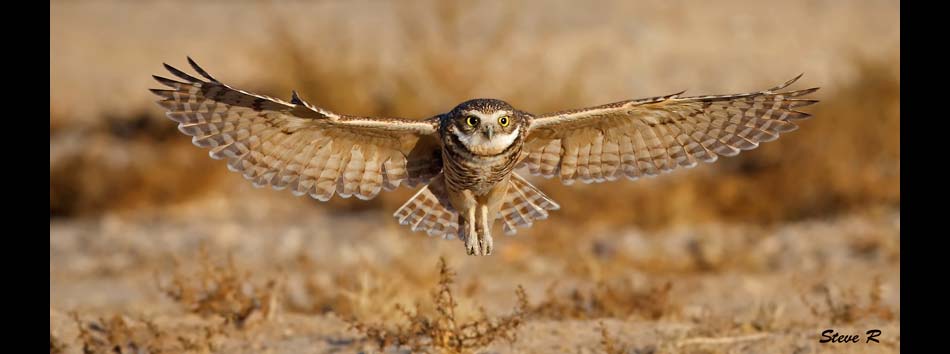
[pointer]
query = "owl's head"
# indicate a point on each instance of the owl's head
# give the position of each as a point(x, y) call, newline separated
point(485, 126)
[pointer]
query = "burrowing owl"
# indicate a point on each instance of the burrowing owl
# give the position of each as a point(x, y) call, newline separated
point(465, 158)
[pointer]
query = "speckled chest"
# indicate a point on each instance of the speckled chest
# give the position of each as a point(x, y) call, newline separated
point(467, 171)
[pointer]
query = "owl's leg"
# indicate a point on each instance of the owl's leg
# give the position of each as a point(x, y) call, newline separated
point(466, 205)
point(469, 224)
point(484, 223)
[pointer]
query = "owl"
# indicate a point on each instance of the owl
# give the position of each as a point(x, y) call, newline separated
point(464, 159)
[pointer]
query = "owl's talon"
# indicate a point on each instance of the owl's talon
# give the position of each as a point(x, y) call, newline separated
point(471, 249)
point(485, 244)
point(471, 245)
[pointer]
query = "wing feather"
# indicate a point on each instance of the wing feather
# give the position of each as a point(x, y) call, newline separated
point(295, 144)
point(646, 137)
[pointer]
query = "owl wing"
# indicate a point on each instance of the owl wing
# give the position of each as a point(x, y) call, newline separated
point(297, 145)
point(644, 137)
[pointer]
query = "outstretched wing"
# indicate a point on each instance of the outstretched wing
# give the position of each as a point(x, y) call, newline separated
point(297, 145)
point(644, 137)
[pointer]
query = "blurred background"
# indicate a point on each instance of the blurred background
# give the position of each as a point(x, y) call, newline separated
point(128, 192)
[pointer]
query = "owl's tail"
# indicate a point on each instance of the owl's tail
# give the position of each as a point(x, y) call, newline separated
point(524, 203)
point(429, 210)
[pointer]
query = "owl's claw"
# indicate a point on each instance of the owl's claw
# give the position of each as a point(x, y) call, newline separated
point(485, 243)
point(472, 249)
point(472, 244)
point(478, 246)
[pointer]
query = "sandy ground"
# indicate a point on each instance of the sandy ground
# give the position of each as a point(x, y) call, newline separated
point(735, 288)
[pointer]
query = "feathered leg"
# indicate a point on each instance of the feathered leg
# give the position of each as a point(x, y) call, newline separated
point(485, 240)
point(470, 232)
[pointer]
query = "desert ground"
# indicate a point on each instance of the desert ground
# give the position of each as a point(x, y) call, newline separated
point(156, 248)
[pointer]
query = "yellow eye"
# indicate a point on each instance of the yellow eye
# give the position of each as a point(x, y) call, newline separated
point(471, 121)
point(504, 120)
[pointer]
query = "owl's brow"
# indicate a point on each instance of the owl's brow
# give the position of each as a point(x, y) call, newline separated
point(484, 115)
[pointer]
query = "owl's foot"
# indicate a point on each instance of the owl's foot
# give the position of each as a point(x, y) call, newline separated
point(485, 243)
point(472, 243)
point(471, 246)
point(478, 246)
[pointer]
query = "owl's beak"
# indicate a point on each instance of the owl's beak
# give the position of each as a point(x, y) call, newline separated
point(489, 132)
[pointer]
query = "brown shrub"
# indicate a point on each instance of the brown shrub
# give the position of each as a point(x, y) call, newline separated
point(107, 168)
point(222, 290)
point(425, 331)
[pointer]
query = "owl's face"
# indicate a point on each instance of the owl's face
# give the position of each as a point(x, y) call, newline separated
point(485, 126)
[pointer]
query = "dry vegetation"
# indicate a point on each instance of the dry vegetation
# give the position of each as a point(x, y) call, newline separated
point(155, 248)
point(222, 290)
point(440, 329)
point(847, 307)
point(120, 334)
point(612, 345)
point(55, 346)
point(606, 300)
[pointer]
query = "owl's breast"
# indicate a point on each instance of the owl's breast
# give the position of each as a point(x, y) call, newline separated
point(467, 171)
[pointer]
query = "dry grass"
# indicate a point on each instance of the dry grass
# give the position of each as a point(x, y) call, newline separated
point(125, 165)
point(425, 331)
point(612, 345)
point(371, 291)
point(615, 300)
point(846, 307)
point(120, 334)
point(768, 317)
point(609, 343)
point(222, 290)
point(55, 346)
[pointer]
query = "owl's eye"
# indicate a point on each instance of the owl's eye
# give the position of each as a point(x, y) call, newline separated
point(471, 121)
point(504, 121)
